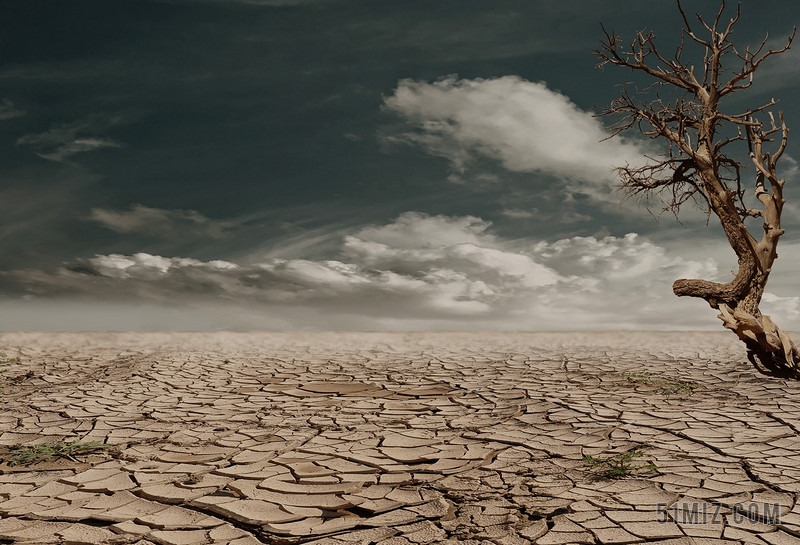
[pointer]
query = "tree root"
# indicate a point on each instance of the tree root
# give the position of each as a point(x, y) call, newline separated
point(765, 341)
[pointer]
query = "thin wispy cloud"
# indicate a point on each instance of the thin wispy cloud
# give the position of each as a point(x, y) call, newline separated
point(61, 142)
point(781, 71)
point(161, 223)
point(9, 111)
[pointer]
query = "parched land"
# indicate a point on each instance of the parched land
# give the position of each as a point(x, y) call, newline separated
point(360, 438)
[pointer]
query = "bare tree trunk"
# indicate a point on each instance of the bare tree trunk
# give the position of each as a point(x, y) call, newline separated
point(738, 301)
point(682, 109)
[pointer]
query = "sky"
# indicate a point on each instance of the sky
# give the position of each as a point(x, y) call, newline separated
point(349, 165)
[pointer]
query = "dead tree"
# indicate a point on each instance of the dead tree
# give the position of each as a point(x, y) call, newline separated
point(711, 157)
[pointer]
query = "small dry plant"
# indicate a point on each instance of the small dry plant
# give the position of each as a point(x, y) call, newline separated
point(620, 465)
point(32, 454)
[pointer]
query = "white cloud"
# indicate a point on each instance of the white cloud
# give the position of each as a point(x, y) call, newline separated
point(620, 258)
point(412, 229)
point(418, 271)
point(785, 307)
point(417, 251)
point(9, 111)
point(78, 145)
point(524, 125)
point(624, 282)
point(159, 222)
point(62, 142)
point(120, 266)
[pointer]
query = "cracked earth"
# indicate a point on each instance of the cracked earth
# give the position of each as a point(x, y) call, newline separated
point(396, 439)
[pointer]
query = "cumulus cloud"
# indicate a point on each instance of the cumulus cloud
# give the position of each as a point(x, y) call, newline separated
point(9, 111)
point(624, 281)
point(524, 125)
point(62, 142)
point(611, 259)
point(412, 229)
point(416, 245)
point(419, 271)
point(785, 307)
point(159, 222)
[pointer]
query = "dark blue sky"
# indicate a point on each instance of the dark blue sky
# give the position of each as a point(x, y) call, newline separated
point(264, 133)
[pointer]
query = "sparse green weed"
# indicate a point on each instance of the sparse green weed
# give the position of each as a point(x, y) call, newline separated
point(670, 386)
point(5, 362)
point(666, 386)
point(620, 465)
point(32, 454)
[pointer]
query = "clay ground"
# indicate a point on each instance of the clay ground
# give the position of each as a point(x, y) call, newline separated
point(349, 438)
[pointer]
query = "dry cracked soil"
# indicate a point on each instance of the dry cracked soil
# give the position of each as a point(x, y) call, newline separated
point(396, 439)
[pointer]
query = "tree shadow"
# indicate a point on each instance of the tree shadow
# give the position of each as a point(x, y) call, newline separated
point(765, 364)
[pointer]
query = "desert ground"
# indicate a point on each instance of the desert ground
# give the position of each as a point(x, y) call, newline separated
point(395, 439)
